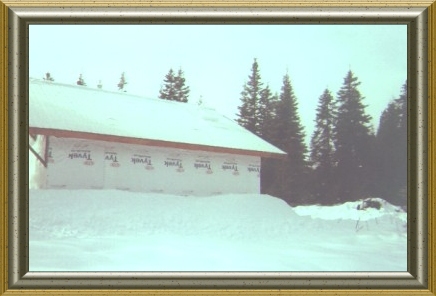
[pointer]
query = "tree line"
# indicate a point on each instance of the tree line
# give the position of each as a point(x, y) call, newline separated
point(346, 161)
point(174, 88)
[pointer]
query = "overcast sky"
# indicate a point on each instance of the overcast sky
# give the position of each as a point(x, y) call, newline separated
point(217, 59)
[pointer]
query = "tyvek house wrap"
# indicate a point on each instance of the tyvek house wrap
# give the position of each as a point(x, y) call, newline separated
point(85, 164)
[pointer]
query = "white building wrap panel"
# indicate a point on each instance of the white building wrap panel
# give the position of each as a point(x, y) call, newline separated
point(141, 170)
point(96, 164)
point(75, 164)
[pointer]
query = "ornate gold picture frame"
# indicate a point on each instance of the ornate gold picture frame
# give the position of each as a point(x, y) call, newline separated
point(420, 16)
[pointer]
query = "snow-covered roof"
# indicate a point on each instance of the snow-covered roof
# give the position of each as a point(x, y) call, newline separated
point(55, 107)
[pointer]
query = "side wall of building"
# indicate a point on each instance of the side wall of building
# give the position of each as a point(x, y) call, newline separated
point(84, 164)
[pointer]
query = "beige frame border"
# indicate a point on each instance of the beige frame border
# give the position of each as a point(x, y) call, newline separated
point(4, 138)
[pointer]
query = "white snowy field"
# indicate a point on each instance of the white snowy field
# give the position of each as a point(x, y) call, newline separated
point(110, 230)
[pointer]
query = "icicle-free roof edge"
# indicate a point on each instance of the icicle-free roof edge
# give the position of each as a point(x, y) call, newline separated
point(79, 110)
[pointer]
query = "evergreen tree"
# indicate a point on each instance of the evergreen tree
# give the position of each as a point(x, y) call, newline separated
point(174, 88)
point(48, 77)
point(290, 176)
point(182, 91)
point(354, 143)
point(392, 151)
point(81, 81)
point(122, 82)
point(323, 149)
point(250, 95)
point(266, 113)
point(168, 92)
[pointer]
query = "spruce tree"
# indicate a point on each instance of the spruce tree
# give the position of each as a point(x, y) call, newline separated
point(81, 81)
point(248, 111)
point(174, 88)
point(48, 77)
point(354, 143)
point(122, 82)
point(323, 150)
point(290, 175)
point(182, 91)
point(392, 151)
point(168, 91)
point(266, 113)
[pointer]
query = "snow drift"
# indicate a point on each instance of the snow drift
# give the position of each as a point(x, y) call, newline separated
point(111, 230)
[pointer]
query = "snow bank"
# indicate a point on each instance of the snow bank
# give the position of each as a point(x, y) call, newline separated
point(119, 230)
point(352, 210)
point(90, 213)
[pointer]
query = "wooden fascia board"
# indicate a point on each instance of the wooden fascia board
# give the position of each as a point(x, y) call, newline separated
point(149, 142)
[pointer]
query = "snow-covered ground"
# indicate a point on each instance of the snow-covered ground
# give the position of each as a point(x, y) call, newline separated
point(110, 230)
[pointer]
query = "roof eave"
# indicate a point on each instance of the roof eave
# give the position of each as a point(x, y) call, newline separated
point(150, 142)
